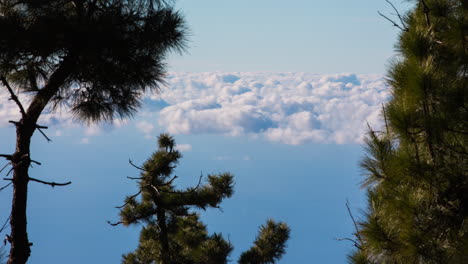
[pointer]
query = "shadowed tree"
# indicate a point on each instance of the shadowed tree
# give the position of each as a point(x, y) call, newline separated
point(173, 233)
point(94, 57)
point(417, 169)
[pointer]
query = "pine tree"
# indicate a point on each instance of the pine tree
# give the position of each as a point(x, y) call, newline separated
point(94, 57)
point(173, 233)
point(417, 168)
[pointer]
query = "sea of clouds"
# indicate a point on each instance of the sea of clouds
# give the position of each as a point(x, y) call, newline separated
point(289, 108)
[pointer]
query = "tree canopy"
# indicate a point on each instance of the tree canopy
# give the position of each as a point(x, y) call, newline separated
point(96, 58)
point(173, 232)
point(416, 169)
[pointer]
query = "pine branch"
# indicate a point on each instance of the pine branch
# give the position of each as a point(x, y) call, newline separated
point(53, 184)
point(13, 96)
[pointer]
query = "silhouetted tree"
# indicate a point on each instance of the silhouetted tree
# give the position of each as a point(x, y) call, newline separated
point(96, 57)
point(173, 234)
point(417, 168)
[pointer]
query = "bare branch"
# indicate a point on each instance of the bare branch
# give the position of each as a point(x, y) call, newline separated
point(393, 22)
point(397, 13)
point(114, 224)
point(39, 128)
point(53, 184)
point(4, 187)
point(5, 224)
point(128, 200)
point(134, 178)
point(188, 192)
point(352, 240)
point(13, 95)
point(169, 182)
point(6, 156)
point(6, 165)
point(131, 163)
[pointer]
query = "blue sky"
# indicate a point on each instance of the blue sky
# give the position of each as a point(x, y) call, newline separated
point(298, 35)
point(278, 93)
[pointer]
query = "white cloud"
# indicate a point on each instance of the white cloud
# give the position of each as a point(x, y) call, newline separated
point(84, 140)
point(290, 108)
point(146, 127)
point(184, 147)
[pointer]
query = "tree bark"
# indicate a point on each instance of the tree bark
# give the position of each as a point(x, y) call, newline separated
point(20, 246)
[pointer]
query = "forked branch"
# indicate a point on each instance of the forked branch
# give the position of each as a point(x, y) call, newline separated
point(403, 28)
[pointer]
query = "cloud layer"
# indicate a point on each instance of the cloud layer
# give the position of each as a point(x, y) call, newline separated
point(290, 108)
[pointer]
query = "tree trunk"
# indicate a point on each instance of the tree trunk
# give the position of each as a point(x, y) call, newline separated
point(21, 160)
point(163, 239)
point(20, 246)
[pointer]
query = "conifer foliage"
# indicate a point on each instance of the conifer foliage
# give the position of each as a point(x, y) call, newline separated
point(173, 233)
point(95, 57)
point(417, 168)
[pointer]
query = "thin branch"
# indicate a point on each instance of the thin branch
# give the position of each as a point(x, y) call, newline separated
point(426, 12)
point(354, 222)
point(128, 200)
point(352, 240)
point(53, 184)
point(39, 128)
point(5, 224)
point(134, 178)
point(169, 182)
point(4, 187)
point(397, 13)
point(393, 22)
point(385, 118)
point(13, 95)
point(131, 163)
point(188, 192)
point(6, 165)
point(6, 156)
point(114, 224)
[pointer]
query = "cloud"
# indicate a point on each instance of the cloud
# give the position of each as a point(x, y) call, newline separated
point(84, 140)
point(291, 108)
point(145, 127)
point(184, 147)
